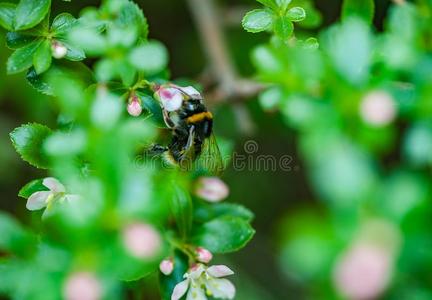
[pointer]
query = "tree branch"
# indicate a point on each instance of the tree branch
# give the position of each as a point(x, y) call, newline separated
point(228, 84)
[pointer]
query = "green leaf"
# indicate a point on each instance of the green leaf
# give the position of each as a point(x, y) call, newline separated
point(29, 13)
point(258, 20)
point(127, 73)
point(350, 46)
point(31, 188)
point(364, 9)
point(13, 237)
point(181, 204)
point(28, 140)
point(283, 4)
point(16, 40)
point(73, 53)
point(22, 59)
point(224, 234)
point(311, 43)
point(296, 14)
point(206, 212)
point(283, 27)
point(167, 283)
point(7, 15)
point(88, 39)
point(150, 58)
point(131, 15)
point(152, 108)
point(105, 70)
point(62, 24)
point(269, 3)
point(38, 83)
point(42, 58)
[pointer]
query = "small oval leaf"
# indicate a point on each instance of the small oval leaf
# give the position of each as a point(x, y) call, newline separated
point(22, 59)
point(223, 235)
point(151, 57)
point(28, 140)
point(296, 14)
point(42, 58)
point(258, 20)
point(7, 15)
point(29, 13)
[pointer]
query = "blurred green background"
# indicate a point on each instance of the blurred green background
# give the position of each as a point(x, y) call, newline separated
point(294, 252)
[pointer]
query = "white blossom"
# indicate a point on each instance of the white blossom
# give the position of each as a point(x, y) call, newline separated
point(56, 192)
point(202, 280)
point(171, 98)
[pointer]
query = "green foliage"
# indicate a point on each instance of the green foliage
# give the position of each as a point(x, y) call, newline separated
point(223, 234)
point(42, 58)
point(32, 187)
point(28, 140)
point(109, 210)
point(22, 58)
point(364, 9)
point(30, 13)
point(353, 103)
point(278, 17)
point(7, 15)
point(182, 210)
point(14, 238)
point(150, 58)
point(258, 20)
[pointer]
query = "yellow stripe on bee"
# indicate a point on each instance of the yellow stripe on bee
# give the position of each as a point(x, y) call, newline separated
point(199, 117)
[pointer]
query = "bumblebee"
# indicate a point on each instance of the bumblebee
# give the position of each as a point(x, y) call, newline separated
point(193, 142)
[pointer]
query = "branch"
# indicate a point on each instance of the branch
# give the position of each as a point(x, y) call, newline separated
point(228, 84)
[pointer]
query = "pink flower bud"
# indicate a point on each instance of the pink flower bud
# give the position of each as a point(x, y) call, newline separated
point(82, 286)
point(166, 266)
point(134, 106)
point(171, 98)
point(363, 272)
point(378, 108)
point(203, 255)
point(141, 240)
point(211, 189)
point(58, 50)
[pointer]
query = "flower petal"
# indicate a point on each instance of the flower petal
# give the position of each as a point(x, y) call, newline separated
point(171, 98)
point(180, 289)
point(196, 271)
point(219, 271)
point(220, 288)
point(38, 200)
point(54, 185)
point(72, 197)
point(196, 293)
point(191, 91)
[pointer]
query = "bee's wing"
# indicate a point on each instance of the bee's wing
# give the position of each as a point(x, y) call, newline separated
point(210, 158)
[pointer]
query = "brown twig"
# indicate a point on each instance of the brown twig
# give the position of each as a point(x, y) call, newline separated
point(229, 87)
point(228, 84)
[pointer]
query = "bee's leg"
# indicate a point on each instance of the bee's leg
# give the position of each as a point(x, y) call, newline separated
point(167, 119)
point(191, 137)
point(156, 149)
